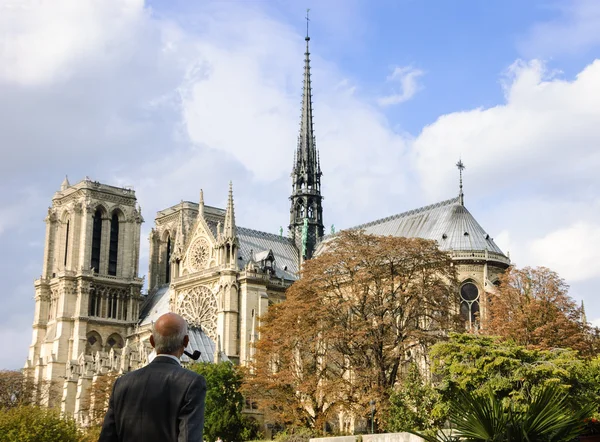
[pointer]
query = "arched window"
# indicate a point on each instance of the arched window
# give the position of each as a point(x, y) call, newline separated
point(94, 303)
point(93, 343)
point(96, 240)
point(168, 263)
point(469, 306)
point(67, 241)
point(113, 251)
point(114, 341)
point(311, 212)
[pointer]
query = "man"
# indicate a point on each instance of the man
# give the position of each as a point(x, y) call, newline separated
point(161, 401)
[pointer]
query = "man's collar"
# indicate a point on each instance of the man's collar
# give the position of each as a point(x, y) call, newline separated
point(175, 358)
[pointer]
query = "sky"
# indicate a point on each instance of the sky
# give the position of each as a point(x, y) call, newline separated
point(172, 97)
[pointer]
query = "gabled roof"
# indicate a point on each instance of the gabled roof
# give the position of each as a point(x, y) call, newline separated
point(447, 222)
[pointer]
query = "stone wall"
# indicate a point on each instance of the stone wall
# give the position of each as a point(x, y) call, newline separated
point(384, 437)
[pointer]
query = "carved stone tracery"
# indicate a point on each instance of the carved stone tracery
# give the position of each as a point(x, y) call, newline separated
point(199, 308)
point(199, 254)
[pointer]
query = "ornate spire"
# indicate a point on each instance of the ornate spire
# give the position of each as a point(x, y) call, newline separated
point(461, 167)
point(306, 212)
point(229, 229)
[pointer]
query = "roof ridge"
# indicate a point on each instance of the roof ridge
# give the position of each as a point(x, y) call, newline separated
point(408, 212)
point(266, 234)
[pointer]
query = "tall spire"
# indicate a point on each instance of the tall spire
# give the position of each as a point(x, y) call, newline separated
point(461, 196)
point(306, 174)
point(306, 157)
point(229, 229)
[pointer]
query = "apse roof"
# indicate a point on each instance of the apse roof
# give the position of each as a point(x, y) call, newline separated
point(447, 222)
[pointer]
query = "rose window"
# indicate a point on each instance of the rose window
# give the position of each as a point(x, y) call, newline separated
point(199, 308)
point(199, 254)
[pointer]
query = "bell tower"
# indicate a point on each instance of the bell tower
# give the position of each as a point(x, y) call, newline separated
point(88, 296)
point(306, 211)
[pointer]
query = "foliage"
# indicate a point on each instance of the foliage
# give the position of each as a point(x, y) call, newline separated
point(18, 389)
point(478, 363)
point(546, 417)
point(295, 435)
point(96, 402)
point(413, 405)
point(532, 307)
point(358, 313)
point(223, 416)
point(35, 424)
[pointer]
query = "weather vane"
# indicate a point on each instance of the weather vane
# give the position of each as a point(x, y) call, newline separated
point(307, 20)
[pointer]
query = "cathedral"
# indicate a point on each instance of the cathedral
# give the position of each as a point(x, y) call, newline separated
point(92, 318)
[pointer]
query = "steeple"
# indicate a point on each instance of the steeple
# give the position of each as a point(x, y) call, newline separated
point(229, 229)
point(461, 196)
point(306, 211)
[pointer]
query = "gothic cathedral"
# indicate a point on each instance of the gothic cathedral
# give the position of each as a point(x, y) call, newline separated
point(91, 317)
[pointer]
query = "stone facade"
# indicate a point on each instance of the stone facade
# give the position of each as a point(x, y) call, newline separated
point(88, 297)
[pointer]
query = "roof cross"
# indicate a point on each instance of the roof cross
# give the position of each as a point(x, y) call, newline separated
point(461, 167)
point(307, 20)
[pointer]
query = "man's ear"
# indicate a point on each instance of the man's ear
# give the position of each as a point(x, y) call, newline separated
point(186, 341)
point(152, 341)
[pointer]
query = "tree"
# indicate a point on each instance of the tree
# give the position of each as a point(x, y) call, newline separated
point(363, 309)
point(36, 424)
point(95, 404)
point(414, 405)
point(544, 417)
point(532, 307)
point(512, 372)
point(18, 389)
point(223, 412)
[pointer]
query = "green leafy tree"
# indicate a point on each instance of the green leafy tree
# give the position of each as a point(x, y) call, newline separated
point(478, 363)
point(224, 403)
point(413, 404)
point(35, 424)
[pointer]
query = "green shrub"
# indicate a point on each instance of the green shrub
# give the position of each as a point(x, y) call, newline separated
point(36, 424)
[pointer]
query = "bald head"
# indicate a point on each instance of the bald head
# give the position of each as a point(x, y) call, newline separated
point(170, 335)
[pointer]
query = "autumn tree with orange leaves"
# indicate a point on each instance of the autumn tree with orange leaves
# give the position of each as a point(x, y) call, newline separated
point(361, 311)
point(532, 307)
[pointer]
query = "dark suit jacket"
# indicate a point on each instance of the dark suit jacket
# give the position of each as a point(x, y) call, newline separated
point(160, 402)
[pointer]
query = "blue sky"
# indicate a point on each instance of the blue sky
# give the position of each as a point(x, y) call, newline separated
point(174, 96)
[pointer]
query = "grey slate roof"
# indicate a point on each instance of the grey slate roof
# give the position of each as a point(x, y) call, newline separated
point(283, 249)
point(447, 222)
point(156, 304)
point(200, 341)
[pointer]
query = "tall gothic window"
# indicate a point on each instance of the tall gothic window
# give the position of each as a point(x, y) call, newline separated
point(168, 263)
point(94, 303)
point(114, 245)
point(67, 243)
point(96, 240)
point(469, 306)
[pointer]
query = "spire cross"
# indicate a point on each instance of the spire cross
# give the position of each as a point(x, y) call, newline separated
point(461, 167)
point(307, 20)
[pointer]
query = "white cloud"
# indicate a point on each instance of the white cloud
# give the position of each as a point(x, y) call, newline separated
point(44, 41)
point(407, 79)
point(574, 30)
point(574, 251)
point(546, 131)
